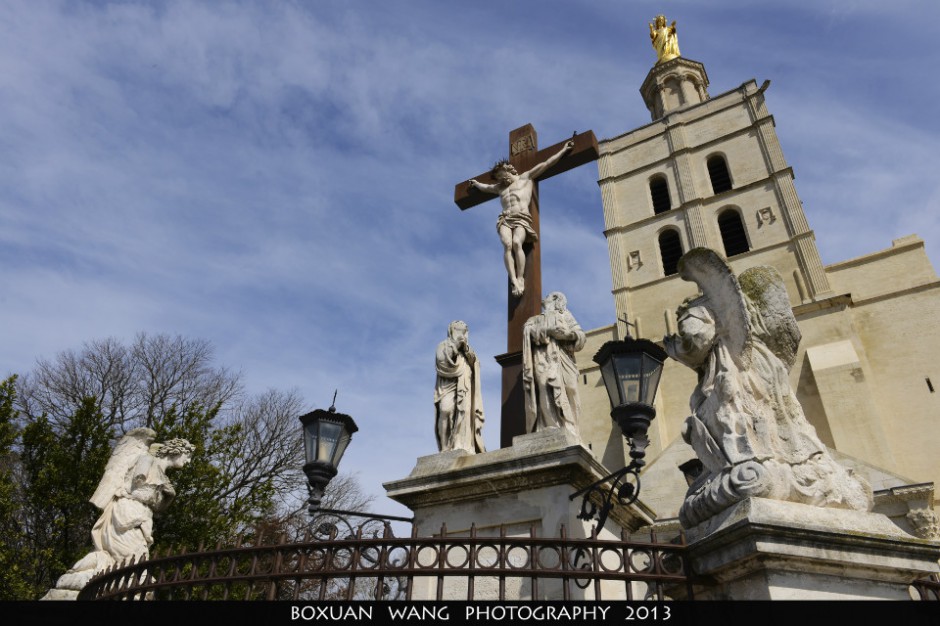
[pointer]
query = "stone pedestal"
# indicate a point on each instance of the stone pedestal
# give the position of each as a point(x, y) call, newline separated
point(517, 487)
point(509, 491)
point(771, 550)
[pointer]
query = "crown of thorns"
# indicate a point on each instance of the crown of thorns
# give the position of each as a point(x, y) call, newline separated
point(502, 163)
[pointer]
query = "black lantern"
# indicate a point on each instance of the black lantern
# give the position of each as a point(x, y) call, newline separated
point(631, 370)
point(326, 435)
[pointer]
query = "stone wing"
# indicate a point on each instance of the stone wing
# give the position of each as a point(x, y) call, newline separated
point(764, 286)
point(126, 452)
point(713, 275)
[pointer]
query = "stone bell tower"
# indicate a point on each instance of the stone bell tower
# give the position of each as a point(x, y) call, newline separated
point(709, 171)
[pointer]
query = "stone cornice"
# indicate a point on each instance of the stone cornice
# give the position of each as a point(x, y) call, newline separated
point(669, 66)
point(897, 248)
point(908, 493)
point(788, 523)
point(697, 148)
point(840, 301)
point(687, 115)
point(532, 462)
point(897, 294)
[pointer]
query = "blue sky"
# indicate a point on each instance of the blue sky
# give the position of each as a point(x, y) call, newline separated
point(277, 177)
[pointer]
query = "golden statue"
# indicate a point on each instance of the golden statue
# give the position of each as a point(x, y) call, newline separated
point(664, 39)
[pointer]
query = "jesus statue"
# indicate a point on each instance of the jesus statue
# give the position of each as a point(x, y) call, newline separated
point(515, 222)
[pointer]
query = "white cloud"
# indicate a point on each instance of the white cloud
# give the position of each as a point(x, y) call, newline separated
point(278, 177)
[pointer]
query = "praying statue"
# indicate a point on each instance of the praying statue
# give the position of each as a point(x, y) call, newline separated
point(664, 39)
point(457, 397)
point(514, 224)
point(549, 371)
point(747, 426)
point(133, 489)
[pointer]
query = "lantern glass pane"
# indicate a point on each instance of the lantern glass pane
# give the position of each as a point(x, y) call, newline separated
point(610, 382)
point(341, 448)
point(652, 370)
point(310, 442)
point(628, 376)
point(330, 433)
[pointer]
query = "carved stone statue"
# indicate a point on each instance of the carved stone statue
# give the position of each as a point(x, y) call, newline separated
point(926, 523)
point(549, 371)
point(514, 224)
point(664, 39)
point(134, 487)
point(457, 396)
point(747, 427)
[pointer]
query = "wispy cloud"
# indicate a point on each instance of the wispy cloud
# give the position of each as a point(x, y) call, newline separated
point(278, 177)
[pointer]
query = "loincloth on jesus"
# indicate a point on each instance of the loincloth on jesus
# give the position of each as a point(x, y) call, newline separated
point(512, 221)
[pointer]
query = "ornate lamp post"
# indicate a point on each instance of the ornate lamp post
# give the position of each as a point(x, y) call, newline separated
point(631, 370)
point(326, 435)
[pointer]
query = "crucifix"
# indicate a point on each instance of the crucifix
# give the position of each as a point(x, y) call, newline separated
point(520, 236)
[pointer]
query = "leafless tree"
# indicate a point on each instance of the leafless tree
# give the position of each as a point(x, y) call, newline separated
point(140, 383)
point(133, 384)
point(271, 449)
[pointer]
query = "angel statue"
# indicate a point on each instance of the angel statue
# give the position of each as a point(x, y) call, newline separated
point(747, 427)
point(134, 488)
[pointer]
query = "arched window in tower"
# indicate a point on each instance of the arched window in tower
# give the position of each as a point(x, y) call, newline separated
point(659, 192)
point(673, 92)
point(670, 249)
point(732, 233)
point(718, 172)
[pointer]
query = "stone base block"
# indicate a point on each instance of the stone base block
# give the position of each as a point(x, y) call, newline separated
point(771, 550)
point(510, 492)
point(526, 484)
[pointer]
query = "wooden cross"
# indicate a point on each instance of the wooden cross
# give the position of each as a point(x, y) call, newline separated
point(523, 155)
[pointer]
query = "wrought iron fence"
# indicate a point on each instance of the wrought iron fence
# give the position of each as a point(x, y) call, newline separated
point(385, 567)
point(927, 588)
